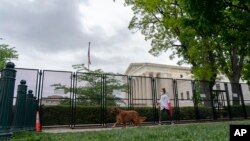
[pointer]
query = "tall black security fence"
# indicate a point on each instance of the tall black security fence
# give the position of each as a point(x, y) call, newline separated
point(88, 96)
point(31, 76)
point(28, 88)
point(142, 95)
point(237, 102)
point(82, 99)
point(184, 92)
point(56, 98)
point(246, 96)
point(116, 93)
point(168, 84)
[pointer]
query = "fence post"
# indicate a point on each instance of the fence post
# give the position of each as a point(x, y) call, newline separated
point(34, 110)
point(154, 96)
point(7, 82)
point(72, 99)
point(228, 101)
point(103, 99)
point(20, 105)
point(28, 111)
point(129, 92)
point(177, 106)
point(243, 102)
point(195, 100)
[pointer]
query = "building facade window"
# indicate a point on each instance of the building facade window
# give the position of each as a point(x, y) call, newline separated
point(182, 97)
point(188, 96)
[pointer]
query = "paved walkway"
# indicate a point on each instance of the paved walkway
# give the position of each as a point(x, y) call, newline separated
point(64, 130)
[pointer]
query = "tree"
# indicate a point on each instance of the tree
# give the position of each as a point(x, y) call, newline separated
point(93, 87)
point(228, 21)
point(168, 26)
point(246, 72)
point(6, 54)
point(212, 36)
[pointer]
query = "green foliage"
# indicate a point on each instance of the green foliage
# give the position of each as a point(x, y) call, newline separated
point(158, 22)
point(246, 72)
point(84, 115)
point(210, 35)
point(91, 86)
point(55, 115)
point(169, 26)
point(216, 131)
point(197, 95)
point(6, 54)
point(237, 111)
point(205, 112)
point(92, 114)
point(228, 23)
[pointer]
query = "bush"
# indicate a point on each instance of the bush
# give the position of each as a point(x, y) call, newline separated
point(55, 115)
point(62, 114)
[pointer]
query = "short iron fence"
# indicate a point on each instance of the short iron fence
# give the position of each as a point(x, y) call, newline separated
point(17, 113)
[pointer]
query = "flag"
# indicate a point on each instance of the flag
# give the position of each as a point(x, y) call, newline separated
point(89, 62)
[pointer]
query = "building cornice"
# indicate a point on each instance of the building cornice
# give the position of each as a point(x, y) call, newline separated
point(154, 65)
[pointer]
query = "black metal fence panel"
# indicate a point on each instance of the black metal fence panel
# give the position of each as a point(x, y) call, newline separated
point(236, 100)
point(168, 84)
point(116, 93)
point(88, 96)
point(31, 78)
point(246, 96)
point(141, 91)
point(142, 95)
point(56, 94)
point(84, 99)
point(184, 95)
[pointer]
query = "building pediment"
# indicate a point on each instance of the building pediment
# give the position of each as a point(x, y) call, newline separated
point(157, 70)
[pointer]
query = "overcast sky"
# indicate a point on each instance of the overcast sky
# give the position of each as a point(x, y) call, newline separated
point(54, 34)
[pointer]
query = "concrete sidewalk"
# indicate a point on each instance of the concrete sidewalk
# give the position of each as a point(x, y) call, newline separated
point(64, 130)
point(68, 130)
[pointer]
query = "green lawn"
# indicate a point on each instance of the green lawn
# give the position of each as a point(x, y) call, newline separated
point(216, 131)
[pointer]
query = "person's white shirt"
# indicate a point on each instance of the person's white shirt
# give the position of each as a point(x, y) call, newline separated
point(164, 100)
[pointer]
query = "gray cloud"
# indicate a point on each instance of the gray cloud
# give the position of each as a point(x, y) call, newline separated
point(55, 34)
point(45, 25)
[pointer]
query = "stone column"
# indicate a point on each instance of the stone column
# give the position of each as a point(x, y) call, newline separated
point(138, 89)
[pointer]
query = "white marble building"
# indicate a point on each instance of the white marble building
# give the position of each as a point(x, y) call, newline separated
point(164, 76)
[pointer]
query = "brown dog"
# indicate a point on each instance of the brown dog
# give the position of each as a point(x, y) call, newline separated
point(122, 117)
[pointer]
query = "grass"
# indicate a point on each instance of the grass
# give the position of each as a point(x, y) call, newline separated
point(216, 131)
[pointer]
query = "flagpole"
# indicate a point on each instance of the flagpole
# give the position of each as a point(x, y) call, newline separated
point(88, 56)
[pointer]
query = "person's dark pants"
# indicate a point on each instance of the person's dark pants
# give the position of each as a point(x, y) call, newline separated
point(167, 112)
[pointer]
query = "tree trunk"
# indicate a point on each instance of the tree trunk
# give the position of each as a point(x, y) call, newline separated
point(236, 93)
point(237, 64)
point(234, 80)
